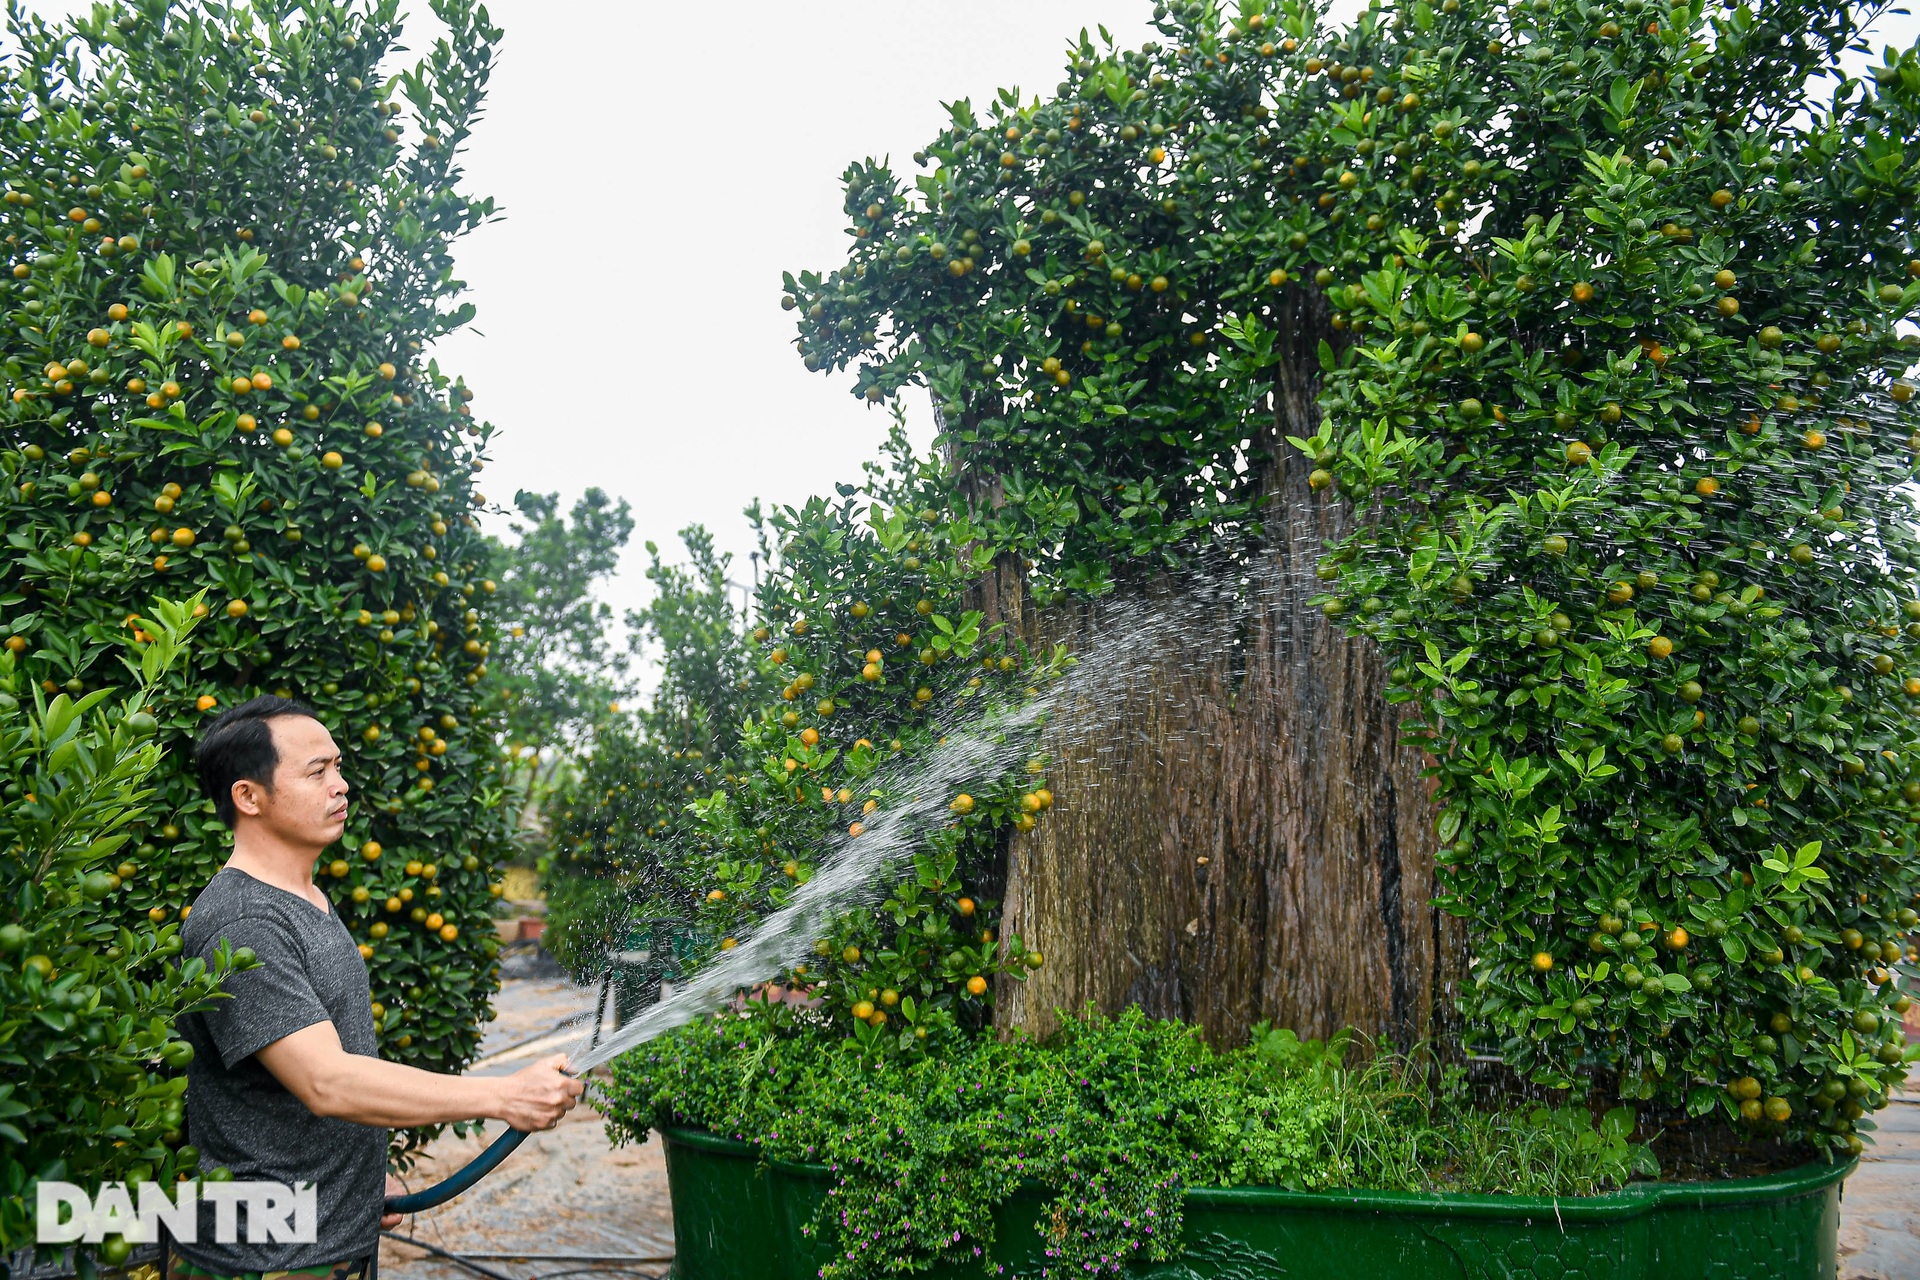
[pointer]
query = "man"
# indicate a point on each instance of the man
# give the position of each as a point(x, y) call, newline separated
point(286, 1083)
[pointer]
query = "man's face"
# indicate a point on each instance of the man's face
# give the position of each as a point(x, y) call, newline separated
point(308, 802)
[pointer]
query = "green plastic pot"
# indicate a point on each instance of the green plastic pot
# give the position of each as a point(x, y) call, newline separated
point(736, 1217)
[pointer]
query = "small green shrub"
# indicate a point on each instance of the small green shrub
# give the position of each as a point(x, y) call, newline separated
point(1115, 1116)
point(92, 1090)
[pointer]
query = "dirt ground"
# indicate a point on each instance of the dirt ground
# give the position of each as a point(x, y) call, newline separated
point(568, 1203)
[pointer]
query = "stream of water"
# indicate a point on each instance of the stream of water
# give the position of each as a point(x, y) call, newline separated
point(975, 746)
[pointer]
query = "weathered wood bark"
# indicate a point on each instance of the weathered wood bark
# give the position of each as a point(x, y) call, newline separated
point(1242, 837)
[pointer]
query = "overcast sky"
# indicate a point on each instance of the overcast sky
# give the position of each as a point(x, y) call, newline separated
point(658, 167)
point(658, 175)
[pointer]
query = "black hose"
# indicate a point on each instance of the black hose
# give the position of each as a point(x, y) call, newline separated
point(483, 1164)
point(460, 1179)
point(450, 1256)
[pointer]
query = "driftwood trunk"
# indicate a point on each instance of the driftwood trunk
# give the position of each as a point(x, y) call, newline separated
point(1239, 834)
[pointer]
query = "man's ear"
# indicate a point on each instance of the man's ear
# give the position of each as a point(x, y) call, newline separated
point(249, 797)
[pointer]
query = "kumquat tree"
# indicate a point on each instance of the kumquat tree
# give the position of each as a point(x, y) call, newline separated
point(757, 757)
point(227, 239)
point(1549, 363)
point(1588, 318)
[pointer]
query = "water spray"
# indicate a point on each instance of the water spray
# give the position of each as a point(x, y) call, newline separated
point(855, 869)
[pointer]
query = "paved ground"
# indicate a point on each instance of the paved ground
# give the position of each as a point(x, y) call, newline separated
point(1880, 1203)
point(567, 1203)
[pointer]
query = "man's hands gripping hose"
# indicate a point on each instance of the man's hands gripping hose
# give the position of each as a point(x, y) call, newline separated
point(536, 1097)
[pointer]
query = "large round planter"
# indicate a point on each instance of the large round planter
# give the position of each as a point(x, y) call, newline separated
point(736, 1217)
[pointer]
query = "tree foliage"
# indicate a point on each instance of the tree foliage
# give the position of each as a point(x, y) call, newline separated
point(619, 823)
point(560, 668)
point(1605, 305)
point(864, 654)
point(87, 1032)
point(224, 264)
point(701, 647)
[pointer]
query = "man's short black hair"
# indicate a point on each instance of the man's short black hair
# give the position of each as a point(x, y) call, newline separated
point(238, 744)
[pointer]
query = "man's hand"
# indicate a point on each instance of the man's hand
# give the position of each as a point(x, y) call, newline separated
point(536, 1097)
point(395, 1187)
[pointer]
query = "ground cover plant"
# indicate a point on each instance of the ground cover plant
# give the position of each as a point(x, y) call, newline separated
point(226, 239)
point(1113, 1116)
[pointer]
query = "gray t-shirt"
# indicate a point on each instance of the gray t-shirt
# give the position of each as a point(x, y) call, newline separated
point(238, 1114)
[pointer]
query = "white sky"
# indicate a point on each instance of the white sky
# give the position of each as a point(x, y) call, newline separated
point(658, 177)
point(658, 169)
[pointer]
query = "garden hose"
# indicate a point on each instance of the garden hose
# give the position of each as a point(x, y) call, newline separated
point(501, 1147)
point(462, 1178)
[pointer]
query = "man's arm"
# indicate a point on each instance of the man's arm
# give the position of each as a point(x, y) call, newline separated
point(371, 1091)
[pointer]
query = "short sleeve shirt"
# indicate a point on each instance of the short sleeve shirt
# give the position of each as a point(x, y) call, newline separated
point(238, 1114)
